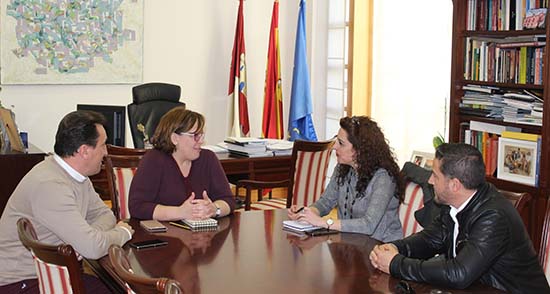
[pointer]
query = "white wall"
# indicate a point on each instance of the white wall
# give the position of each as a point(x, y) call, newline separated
point(411, 75)
point(186, 42)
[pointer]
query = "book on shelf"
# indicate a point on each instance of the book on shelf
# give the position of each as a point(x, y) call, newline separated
point(520, 136)
point(197, 225)
point(491, 128)
point(535, 18)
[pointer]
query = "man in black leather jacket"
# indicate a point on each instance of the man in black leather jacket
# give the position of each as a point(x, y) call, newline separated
point(492, 245)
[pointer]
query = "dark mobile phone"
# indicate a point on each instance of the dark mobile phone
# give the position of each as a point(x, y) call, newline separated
point(148, 244)
point(321, 232)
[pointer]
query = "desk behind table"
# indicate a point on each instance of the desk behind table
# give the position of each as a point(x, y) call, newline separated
point(13, 167)
point(250, 253)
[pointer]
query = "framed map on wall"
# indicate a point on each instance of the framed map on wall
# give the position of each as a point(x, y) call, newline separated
point(71, 42)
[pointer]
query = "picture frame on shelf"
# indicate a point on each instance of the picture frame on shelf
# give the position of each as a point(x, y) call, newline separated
point(422, 159)
point(517, 161)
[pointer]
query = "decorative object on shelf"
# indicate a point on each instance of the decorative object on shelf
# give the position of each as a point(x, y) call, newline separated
point(71, 42)
point(422, 159)
point(535, 19)
point(518, 160)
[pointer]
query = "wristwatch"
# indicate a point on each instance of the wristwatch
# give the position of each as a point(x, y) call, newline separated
point(330, 222)
point(218, 210)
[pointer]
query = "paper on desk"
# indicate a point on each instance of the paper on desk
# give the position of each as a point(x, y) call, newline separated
point(216, 148)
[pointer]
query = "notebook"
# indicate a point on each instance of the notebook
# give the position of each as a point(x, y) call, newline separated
point(197, 225)
point(298, 226)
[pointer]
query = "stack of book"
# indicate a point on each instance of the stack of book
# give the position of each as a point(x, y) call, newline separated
point(507, 105)
point(280, 147)
point(247, 147)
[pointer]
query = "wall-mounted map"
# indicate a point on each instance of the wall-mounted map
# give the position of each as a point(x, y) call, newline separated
point(71, 42)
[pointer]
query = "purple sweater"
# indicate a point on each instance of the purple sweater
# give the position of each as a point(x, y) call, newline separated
point(158, 180)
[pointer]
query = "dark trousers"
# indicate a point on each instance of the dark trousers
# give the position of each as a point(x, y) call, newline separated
point(91, 283)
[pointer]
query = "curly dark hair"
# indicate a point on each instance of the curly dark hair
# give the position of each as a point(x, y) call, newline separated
point(371, 153)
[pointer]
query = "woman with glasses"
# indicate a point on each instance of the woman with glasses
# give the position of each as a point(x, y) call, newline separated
point(177, 179)
point(366, 186)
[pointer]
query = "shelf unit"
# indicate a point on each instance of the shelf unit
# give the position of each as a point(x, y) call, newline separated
point(460, 33)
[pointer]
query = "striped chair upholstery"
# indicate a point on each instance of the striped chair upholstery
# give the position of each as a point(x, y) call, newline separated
point(544, 251)
point(139, 284)
point(57, 267)
point(414, 200)
point(306, 179)
point(120, 171)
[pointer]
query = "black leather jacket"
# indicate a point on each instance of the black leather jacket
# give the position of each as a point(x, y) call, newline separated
point(492, 247)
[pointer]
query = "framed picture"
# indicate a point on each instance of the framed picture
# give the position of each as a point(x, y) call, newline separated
point(517, 161)
point(423, 159)
point(71, 42)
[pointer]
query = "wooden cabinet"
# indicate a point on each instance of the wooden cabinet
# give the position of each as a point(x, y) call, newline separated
point(493, 29)
point(13, 167)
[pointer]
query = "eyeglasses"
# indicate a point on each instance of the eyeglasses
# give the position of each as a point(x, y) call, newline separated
point(196, 136)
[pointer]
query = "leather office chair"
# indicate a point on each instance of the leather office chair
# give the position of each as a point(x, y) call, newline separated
point(57, 267)
point(150, 102)
point(139, 284)
point(306, 178)
point(544, 251)
point(120, 170)
point(522, 202)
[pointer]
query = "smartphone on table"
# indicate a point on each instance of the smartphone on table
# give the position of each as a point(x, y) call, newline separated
point(321, 232)
point(148, 244)
point(153, 226)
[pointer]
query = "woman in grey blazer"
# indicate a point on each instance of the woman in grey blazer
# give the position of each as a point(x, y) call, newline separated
point(366, 186)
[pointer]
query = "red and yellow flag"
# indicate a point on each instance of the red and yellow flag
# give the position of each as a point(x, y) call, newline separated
point(272, 124)
point(237, 81)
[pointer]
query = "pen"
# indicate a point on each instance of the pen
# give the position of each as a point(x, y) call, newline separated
point(300, 209)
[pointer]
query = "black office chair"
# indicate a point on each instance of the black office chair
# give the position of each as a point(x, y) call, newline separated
point(150, 102)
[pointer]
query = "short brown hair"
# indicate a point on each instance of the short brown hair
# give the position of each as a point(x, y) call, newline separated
point(177, 120)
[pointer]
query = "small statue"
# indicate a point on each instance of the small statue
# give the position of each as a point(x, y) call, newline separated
point(146, 143)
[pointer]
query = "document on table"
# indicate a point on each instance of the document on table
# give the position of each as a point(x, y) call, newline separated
point(298, 226)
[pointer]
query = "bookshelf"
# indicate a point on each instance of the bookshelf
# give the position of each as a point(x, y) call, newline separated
point(502, 30)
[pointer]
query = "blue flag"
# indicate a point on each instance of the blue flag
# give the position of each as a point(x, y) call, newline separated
point(300, 125)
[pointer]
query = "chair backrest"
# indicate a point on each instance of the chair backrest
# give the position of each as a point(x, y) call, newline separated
point(150, 102)
point(120, 170)
point(545, 243)
point(57, 267)
point(117, 150)
point(413, 201)
point(139, 284)
point(308, 171)
point(522, 203)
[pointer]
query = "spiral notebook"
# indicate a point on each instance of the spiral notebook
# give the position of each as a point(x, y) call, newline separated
point(200, 224)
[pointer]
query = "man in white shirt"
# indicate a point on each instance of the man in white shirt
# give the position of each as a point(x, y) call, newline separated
point(478, 236)
point(58, 198)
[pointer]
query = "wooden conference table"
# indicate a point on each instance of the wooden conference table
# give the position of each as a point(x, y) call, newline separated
point(250, 253)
